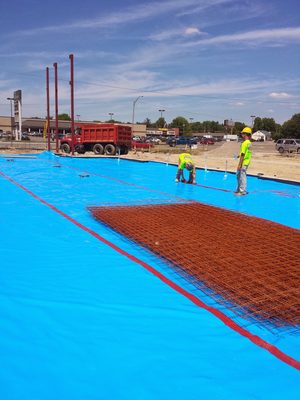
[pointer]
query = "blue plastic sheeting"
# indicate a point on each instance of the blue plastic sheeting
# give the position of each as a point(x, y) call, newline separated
point(79, 320)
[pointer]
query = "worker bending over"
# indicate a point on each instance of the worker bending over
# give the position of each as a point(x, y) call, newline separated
point(186, 162)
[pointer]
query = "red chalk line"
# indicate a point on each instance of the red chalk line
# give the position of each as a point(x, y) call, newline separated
point(221, 316)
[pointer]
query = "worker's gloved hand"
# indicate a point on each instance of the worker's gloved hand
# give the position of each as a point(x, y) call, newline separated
point(178, 175)
point(192, 179)
point(183, 180)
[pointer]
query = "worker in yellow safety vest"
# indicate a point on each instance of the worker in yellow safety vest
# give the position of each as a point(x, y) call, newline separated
point(186, 162)
point(244, 161)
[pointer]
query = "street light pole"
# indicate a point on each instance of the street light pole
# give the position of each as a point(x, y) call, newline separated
point(133, 110)
point(111, 114)
point(11, 99)
point(161, 113)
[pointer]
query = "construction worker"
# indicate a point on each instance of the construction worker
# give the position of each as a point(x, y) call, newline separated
point(186, 162)
point(244, 161)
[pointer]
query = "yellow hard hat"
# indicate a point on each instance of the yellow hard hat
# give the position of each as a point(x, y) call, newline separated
point(247, 130)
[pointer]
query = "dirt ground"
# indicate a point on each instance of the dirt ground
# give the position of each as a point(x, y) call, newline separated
point(266, 161)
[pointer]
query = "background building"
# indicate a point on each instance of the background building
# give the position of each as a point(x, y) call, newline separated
point(37, 125)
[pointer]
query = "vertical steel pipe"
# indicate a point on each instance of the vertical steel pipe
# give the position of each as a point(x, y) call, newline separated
point(48, 108)
point(56, 106)
point(71, 57)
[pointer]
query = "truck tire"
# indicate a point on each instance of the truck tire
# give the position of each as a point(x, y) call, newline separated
point(65, 148)
point(110, 150)
point(281, 150)
point(80, 149)
point(124, 150)
point(98, 148)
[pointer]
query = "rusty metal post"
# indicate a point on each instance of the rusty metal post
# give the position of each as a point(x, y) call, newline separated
point(71, 57)
point(48, 108)
point(56, 106)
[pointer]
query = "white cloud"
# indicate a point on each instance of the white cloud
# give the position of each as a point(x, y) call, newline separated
point(192, 31)
point(165, 35)
point(203, 6)
point(138, 13)
point(254, 37)
point(280, 95)
point(180, 32)
point(54, 54)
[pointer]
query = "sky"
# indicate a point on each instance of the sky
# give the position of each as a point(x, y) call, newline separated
point(199, 59)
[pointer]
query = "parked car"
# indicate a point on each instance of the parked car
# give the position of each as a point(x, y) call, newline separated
point(205, 140)
point(182, 140)
point(155, 140)
point(6, 135)
point(289, 145)
point(36, 133)
point(25, 136)
point(60, 136)
point(135, 144)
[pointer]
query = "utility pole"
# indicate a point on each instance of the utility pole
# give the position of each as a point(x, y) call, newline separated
point(133, 110)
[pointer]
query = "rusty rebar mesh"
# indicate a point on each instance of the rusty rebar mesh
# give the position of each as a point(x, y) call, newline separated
point(249, 264)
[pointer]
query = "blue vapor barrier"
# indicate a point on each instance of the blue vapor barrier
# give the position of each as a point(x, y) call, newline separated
point(80, 316)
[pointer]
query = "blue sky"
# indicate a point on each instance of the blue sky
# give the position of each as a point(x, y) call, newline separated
point(200, 59)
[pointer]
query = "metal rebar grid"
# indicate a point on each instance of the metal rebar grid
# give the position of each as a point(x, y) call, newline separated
point(250, 265)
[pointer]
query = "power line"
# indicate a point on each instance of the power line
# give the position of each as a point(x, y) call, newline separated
point(162, 92)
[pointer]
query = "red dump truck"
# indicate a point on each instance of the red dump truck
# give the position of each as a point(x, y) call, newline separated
point(107, 139)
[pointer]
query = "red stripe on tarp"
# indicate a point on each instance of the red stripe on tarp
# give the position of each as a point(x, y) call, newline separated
point(221, 316)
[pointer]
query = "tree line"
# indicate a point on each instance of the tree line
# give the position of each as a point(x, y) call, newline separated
point(290, 128)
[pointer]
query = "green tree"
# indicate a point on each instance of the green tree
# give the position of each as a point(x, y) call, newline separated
point(238, 127)
point(160, 123)
point(258, 124)
point(269, 125)
point(64, 117)
point(115, 121)
point(206, 126)
point(196, 127)
point(291, 128)
point(148, 123)
point(181, 123)
point(278, 132)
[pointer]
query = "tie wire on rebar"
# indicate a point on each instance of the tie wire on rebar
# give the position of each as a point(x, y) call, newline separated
point(249, 265)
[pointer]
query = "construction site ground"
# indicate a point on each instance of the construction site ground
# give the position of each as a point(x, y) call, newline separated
point(266, 161)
